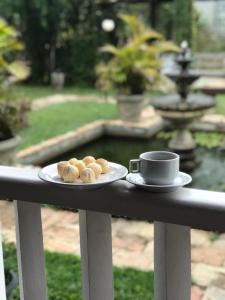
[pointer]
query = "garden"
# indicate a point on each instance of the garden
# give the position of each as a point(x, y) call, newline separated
point(113, 79)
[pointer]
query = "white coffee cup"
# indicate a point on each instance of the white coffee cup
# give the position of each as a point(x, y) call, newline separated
point(156, 167)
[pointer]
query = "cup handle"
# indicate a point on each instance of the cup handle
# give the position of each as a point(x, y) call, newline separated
point(133, 162)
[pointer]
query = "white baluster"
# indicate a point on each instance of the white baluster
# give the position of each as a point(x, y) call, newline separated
point(172, 262)
point(30, 253)
point(96, 255)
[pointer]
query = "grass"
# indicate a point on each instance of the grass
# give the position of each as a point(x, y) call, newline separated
point(34, 92)
point(58, 119)
point(220, 104)
point(63, 278)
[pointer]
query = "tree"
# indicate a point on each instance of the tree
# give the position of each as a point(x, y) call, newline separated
point(183, 21)
point(54, 31)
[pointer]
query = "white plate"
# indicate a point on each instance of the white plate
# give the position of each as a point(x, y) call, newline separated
point(50, 174)
point(181, 180)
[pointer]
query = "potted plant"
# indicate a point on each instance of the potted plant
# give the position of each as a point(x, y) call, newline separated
point(133, 66)
point(10, 282)
point(12, 109)
point(57, 80)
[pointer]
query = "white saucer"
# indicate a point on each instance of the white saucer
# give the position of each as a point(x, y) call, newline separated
point(181, 180)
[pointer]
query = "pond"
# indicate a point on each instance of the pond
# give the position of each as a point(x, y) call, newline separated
point(208, 175)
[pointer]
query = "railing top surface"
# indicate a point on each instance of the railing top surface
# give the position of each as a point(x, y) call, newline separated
point(190, 207)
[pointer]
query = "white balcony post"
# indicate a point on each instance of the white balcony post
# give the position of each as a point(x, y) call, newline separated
point(96, 255)
point(2, 273)
point(172, 262)
point(30, 252)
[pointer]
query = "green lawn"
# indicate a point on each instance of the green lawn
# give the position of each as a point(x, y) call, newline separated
point(57, 119)
point(63, 278)
point(60, 118)
point(220, 104)
point(33, 92)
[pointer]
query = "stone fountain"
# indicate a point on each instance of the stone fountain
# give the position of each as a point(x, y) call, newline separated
point(182, 108)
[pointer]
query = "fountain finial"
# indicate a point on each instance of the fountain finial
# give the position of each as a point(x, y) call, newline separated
point(183, 107)
point(184, 45)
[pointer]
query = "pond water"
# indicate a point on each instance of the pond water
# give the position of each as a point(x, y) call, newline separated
point(208, 175)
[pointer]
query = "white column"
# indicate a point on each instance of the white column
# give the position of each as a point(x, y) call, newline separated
point(172, 262)
point(30, 252)
point(96, 255)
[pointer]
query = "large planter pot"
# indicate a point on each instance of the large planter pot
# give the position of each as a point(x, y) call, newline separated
point(8, 150)
point(11, 283)
point(130, 107)
point(57, 80)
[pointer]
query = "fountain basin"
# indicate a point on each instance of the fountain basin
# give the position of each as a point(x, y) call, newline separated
point(193, 103)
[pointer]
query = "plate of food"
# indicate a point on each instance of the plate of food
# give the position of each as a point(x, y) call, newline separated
point(85, 173)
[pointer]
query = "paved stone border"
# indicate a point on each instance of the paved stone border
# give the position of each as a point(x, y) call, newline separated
point(61, 98)
point(58, 145)
point(150, 125)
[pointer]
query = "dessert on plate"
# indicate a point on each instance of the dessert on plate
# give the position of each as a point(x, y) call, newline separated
point(86, 170)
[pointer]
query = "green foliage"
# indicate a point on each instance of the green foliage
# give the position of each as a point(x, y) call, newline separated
point(64, 278)
point(166, 135)
point(165, 19)
point(12, 109)
point(208, 140)
point(13, 113)
point(78, 59)
point(184, 21)
point(9, 44)
point(220, 104)
point(214, 236)
point(56, 32)
point(136, 64)
point(61, 118)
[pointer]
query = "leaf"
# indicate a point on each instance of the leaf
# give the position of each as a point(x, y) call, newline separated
point(19, 69)
point(138, 28)
point(167, 46)
point(138, 58)
point(150, 74)
point(109, 49)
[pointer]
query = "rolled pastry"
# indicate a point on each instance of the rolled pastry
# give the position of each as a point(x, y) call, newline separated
point(96, 168)
point(73, 161)
point(104, 164)
point(70, 173)
point(60, 167)
point(80, 165)
point(88, 160)
point(87, 175)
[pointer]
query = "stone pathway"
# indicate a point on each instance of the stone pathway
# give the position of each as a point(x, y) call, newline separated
point(132, 247)
point(61, 98)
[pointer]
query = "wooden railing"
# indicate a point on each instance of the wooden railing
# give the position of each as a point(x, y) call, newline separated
point(173, 215)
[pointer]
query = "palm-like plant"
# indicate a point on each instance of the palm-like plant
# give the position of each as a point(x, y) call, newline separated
point(12, 109)
point(136, 64)
point(9, 44)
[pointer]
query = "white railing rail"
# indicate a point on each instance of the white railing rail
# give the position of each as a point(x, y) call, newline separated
point(173, 215)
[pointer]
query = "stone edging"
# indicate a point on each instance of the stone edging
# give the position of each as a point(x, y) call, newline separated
point(150, 125)
point(60, 144)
